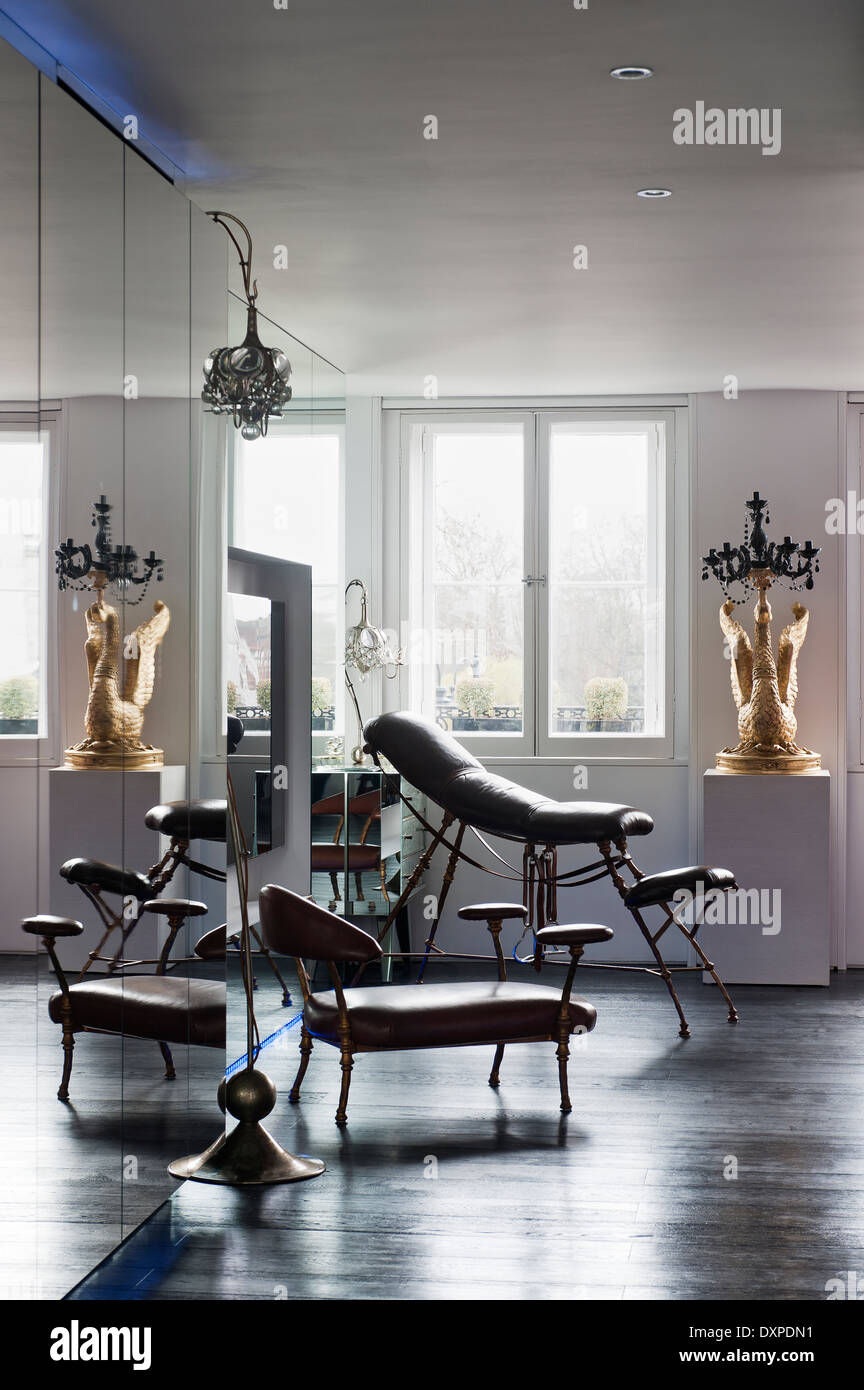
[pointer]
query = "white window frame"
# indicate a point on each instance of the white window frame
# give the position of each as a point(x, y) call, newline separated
point(416, 566)
point(645, 745)
point(415, 578)
point(42, 748)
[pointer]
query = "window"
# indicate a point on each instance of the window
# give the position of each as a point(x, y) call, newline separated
point(537, 579)
point(22, 589)
point(287, 500)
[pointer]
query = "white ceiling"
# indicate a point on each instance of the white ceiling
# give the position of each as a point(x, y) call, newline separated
point(411, 257)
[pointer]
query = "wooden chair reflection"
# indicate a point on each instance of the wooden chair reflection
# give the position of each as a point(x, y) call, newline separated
point(161, 1008)
point(350, 856)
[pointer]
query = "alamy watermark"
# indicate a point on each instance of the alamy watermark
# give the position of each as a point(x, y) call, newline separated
point(735, 126)
point(731, 907)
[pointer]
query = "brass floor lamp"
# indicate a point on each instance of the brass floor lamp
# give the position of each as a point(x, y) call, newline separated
point(247, 1156)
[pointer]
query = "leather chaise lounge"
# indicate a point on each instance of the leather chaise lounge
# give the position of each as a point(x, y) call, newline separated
point(471, 797)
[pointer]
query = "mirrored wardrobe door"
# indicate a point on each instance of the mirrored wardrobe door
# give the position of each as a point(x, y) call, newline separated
point(23, 685)
point(81, 248)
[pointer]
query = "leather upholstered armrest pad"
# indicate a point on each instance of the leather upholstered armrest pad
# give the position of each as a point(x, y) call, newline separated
point(52, 926)
point(694, 878)
point(579, 935)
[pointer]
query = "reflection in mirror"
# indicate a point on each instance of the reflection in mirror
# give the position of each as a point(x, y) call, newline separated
point(160, 510)
point(23, 678)
point(85, 816)
point(288, 499)
point(248, 656)
point(129, 989)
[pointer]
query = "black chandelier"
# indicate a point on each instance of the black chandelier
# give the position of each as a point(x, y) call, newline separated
point(120, 566)
point(249, 382)
point(793, 564)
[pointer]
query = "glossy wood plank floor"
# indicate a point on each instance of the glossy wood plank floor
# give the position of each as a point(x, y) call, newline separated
point(76, 1178)
point(444, 1189)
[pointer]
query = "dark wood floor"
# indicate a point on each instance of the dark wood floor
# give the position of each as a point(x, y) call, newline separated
point(75, 1179)
point(624, 1199)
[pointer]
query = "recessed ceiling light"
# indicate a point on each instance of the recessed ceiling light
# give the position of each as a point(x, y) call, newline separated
point(631, 74)
point(654, 193)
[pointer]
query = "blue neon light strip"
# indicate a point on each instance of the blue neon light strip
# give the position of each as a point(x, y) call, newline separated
point(241, 1061)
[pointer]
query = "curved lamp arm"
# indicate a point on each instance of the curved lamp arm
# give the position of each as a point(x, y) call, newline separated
point(250, 286)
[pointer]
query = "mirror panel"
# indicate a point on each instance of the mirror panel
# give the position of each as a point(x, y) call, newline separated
point(164, 1121)
point(23, 682)
point(85, 811)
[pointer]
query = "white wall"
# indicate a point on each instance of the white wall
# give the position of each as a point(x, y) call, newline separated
point(789, 445)
point(154, 489)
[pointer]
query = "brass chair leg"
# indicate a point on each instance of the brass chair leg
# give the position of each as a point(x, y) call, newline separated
point(358, 880)
point(347, 1065)
point(563, 1054)
point(709, 966)
point(68, 1050)
point(170, 1073)
point(494, 1079)
point(265, 951)
point(305, 1054)
point(665, 974)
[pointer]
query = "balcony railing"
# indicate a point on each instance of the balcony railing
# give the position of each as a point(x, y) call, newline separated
point(506, 719)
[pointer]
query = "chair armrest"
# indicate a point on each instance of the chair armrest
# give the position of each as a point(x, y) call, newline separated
point(49, 928)
point(493, 912)
point(576, 935)
point(177, 910)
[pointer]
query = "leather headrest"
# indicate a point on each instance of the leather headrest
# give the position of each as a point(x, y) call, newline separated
point(424, 754)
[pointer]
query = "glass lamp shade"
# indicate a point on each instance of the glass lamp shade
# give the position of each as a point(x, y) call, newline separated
point(249, 382)
point(368, 649)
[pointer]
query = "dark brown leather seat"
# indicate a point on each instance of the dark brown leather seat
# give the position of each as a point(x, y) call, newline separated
point(108, 878)
point(190, 820)
point(158, 1007)
point(433, 762)
point(445, 1015)
point(661, 888)
point(330, 858)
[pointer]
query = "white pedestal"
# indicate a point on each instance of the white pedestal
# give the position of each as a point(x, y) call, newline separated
point(99, 814)
point(773, 832)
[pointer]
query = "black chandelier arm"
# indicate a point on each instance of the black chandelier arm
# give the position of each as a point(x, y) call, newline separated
point(67, 567)
point(250, 286)
point(121, 566)
point(793, 562)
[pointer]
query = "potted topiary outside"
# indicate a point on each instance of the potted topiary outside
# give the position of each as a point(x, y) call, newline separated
point(322, 703)
point(606, 704)
point(19, 705)
point(474, 699)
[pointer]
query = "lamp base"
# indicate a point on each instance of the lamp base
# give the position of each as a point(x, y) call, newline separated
point(114, 756)
point(246, 1157)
